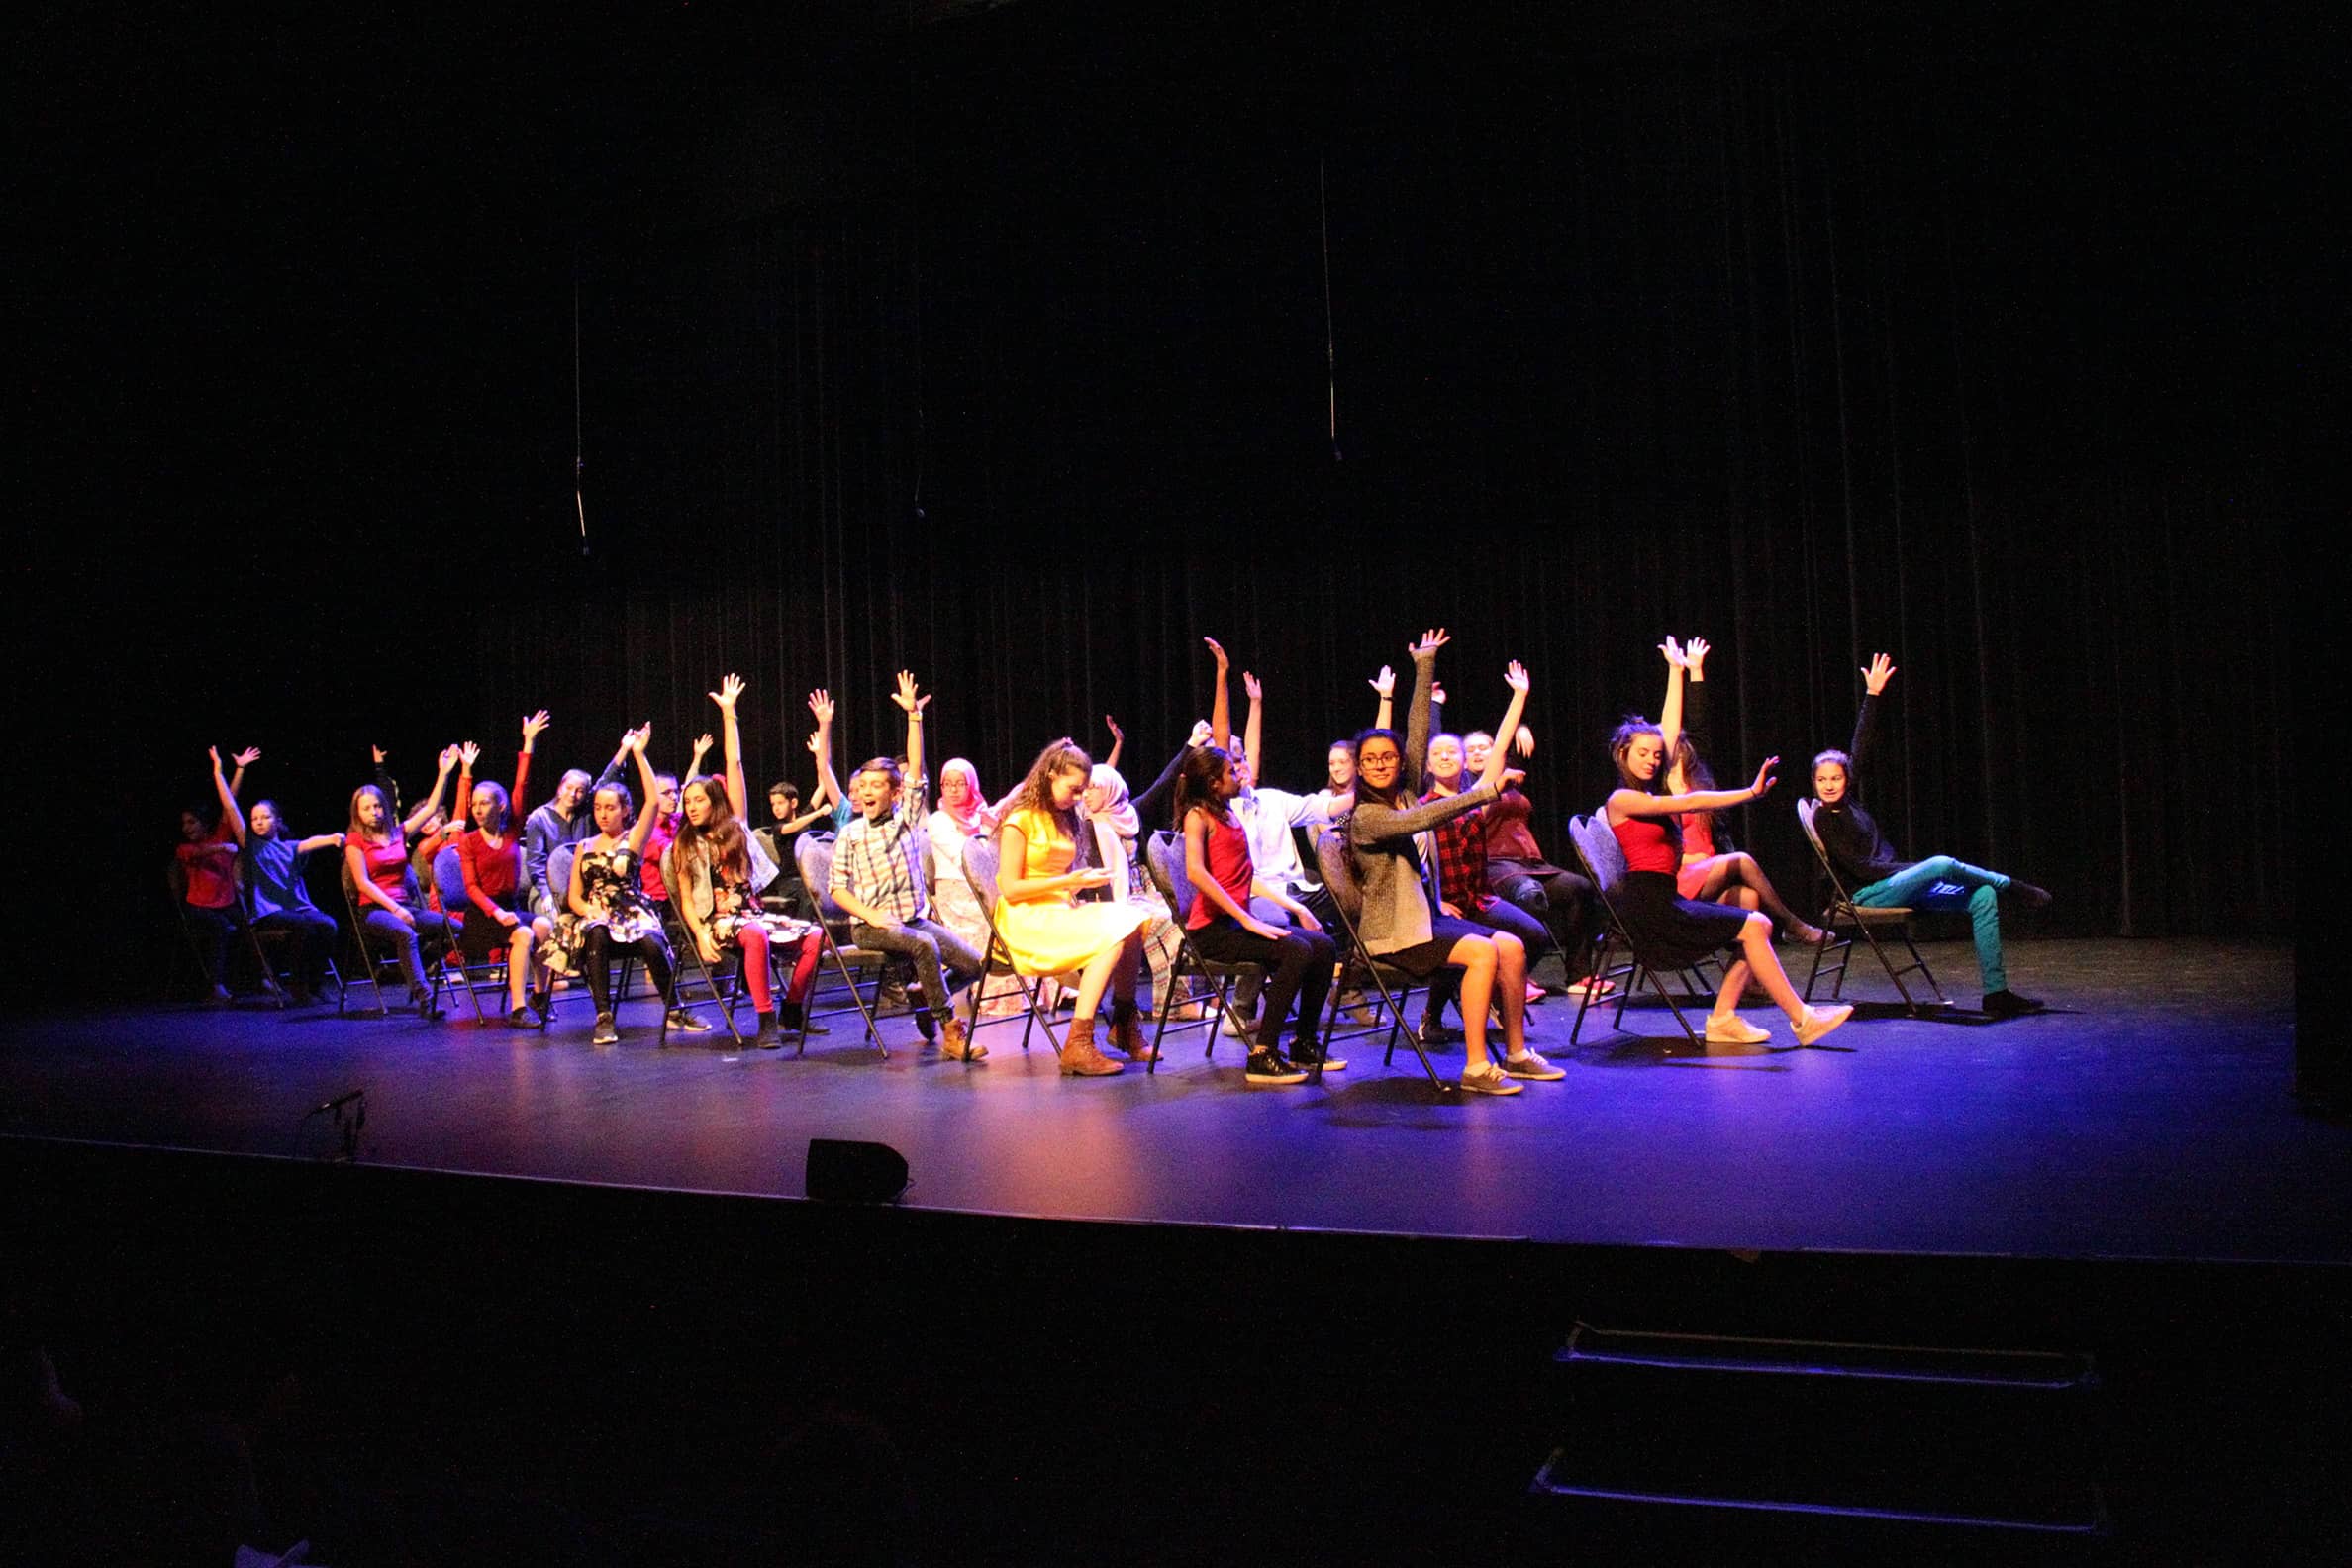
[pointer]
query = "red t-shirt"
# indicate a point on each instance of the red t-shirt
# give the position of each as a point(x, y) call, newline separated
point(211, 866)
point(658, 838)
point(1650, 844)
point(387, 866)
point(491, 875)
point(1228, 855)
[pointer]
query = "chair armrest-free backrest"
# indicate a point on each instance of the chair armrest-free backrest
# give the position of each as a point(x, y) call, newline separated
point(980, 872)
point(1338, 865)
point(1598, 848)
point(813, 855)
point(448, 877)
point(560, 868)
point(1161, 857)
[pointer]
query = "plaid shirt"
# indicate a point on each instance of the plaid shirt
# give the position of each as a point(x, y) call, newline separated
point(1462, 859)
point(880, 862)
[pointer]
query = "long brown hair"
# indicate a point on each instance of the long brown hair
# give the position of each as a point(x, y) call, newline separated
point(1036, 791)
point(356, 828)
point(721, 839)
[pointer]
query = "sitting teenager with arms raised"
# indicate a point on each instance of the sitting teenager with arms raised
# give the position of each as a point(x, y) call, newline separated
point(605, 905)
point(1225, 930)
point(1046, 931)
point(274, 856)
point(1866, 862)
point(491, 860)
point(564, 819)
point(877, 876)
point(1672, 931)
point(1397, 924)
point(714, 867)
point(391, 906)
point(207, 859)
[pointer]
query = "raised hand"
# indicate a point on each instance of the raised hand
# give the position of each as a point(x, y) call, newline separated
point(1249, 684)
point(905, 695)
point(1516, 677)
point(816, 744)
point(247, 758)
point(1511, 776)
point(1202, 735)
point(702, 747)
point(214, 754)
point(466, 754)
point(531, 727)
point(1880, 671)
point(636, 740)
point(1431, 642)
point(1117, 735)
point(1675, 656)
point(1384, 685)
point(448, 757)
point(1437, 694)
point(1695, 658)
point(379, 755)
point(820, 704)
point(729, 690)
point(1764, 778)
point(1525, 741)
point(1217, 652)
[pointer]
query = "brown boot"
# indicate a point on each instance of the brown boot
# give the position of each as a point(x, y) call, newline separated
point(955, 1043)
point(1127, 1032)
point(1079, 1057)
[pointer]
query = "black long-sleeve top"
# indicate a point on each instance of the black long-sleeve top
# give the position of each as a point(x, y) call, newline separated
point(1856, 847)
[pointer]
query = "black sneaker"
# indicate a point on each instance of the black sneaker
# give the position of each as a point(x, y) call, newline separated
point(1310, 1056)
point(1268, 1066)
point(606, 1033)
point(2006, 1003)
point(2033, 896)
point(1432, 1032)
point(686, 1022)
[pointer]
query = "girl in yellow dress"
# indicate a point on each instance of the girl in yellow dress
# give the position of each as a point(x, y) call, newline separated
point(1048, 931)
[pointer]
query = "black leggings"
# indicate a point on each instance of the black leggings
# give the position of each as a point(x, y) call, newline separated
point(1299, 965)
point(599, 950)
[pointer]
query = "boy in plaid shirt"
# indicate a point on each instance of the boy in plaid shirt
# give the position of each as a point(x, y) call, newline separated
point(877, 876)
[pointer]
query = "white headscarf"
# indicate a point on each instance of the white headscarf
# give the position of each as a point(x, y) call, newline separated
point(1115, 827)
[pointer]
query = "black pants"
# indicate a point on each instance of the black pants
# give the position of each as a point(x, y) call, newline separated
point(1299, 965)
point(600, 951)
point(312, 933)
point(212, 928)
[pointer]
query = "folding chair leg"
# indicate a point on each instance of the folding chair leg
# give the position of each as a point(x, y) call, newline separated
point(865, 1012)
point(1880, 955)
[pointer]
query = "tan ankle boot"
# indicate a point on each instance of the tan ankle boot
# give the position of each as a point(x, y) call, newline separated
point(1127, 1032)
point(1079, 1057)
point(955, 1043)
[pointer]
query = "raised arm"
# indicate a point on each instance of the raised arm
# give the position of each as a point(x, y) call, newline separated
point(912, 704)
point(1221, 701)
point(244, 759)
point(1498, 757)
point(1118, 741)
point(732, 745)
point(229, 812)
point(649, 788)
point(1167, 775)
point(1875, 676)
point(1670, 711)
point(531, 734)
point(612, 769)
point(1416, 723)
point(1694, 713)
point(1250, 726)
point(1640, 803)
point(820, 704)
point(441, 784)
point(1385, 683)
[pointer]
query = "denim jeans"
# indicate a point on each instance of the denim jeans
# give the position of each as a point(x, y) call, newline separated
point(1944, 883)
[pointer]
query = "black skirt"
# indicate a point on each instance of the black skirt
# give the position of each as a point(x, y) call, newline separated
point(1671, 932)
point(1424, 959)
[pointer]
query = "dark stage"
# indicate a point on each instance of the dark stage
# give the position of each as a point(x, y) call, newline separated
point(2147, 1115)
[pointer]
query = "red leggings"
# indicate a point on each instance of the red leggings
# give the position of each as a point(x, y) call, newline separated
point(753, 939)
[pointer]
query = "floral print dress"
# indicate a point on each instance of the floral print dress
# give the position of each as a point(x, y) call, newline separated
point(608, 886)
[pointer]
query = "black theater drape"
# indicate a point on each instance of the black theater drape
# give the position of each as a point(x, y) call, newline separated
point(997, 350)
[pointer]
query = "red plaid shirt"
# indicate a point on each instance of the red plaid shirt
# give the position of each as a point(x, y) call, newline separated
point(1462, 859)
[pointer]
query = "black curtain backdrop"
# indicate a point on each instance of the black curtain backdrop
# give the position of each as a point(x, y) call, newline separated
point(995, 347)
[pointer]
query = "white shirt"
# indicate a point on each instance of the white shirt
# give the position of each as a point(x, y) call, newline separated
point(1267, 817)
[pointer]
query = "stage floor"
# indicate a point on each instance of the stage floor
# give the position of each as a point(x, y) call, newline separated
point(2146, 1115)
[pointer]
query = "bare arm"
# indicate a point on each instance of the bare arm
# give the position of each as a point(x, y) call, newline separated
point(1117, 743)
point(1638, 803)
point(229, 812)
point(1250, 726)
point(1497, 762)
point(244, 759)
point(912, 705)
point(432, 801)
point(319, 841)
point(1013, 851)
point(1221, 701)
point(356, 865)
point(732, 744)
point(1670, 710)
point(820, 704)
point(650, 787)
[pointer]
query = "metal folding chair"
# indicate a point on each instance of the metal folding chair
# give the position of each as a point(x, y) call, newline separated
point(980, 874)
point(373, 965)
point(1396, 986)
point(1163, 858)
point(813, 855)
point(1845, 918)
point(1605, 862)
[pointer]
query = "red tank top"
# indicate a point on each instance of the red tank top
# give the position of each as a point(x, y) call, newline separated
point(1650, 844)
point(1228, 852)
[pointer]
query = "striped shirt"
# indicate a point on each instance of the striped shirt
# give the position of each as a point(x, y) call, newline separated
point(880, 862)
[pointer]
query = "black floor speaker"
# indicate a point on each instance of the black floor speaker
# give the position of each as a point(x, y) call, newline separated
point(844, 1170)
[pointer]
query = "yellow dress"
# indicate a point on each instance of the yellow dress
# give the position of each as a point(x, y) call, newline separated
point(1054, 934)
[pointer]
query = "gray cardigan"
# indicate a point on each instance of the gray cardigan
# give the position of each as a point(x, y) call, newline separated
point(1396, 906)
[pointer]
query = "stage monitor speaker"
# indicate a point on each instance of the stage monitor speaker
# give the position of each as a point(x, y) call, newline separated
point(842, 1170)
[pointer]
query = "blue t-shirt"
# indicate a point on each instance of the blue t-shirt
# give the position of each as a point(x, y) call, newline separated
point(276, 878)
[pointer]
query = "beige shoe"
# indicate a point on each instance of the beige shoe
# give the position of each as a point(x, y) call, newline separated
point(1729, 1029)
point(1818, 1022)
point(1079, 1058)
point(955, 1043)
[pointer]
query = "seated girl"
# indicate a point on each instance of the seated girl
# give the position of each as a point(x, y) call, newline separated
point(392, 907)
point(1672, 931)
point(1046, 931)
point(274, 858)
point(711, 876)
point(491, 860)
point(1398, 926)
point(604, 907)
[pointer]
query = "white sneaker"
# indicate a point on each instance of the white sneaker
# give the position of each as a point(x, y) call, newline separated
point(1729, 1029)
point(1818, 1022)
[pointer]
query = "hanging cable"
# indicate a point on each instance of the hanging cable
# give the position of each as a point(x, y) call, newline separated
point(579, 445)
point(1323, 199)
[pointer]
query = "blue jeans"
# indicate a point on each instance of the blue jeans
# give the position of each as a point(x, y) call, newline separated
point(1944, 883)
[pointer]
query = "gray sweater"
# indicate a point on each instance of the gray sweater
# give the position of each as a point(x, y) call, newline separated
point(1396, 905)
